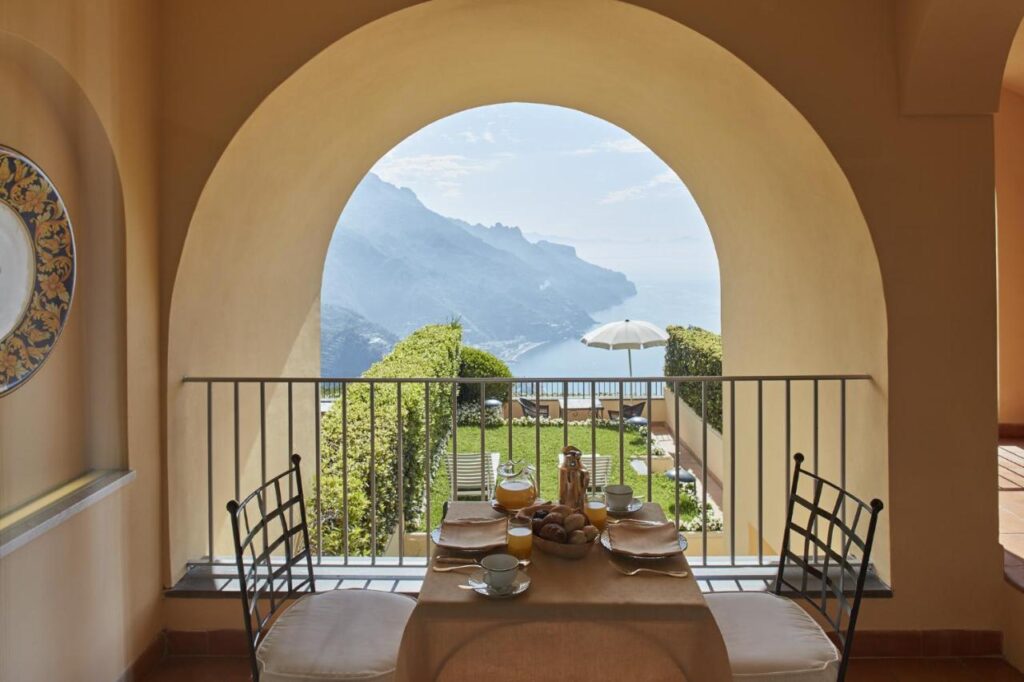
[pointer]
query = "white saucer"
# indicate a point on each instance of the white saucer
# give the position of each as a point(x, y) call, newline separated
point(631, 508)
point(607, 544)
point(519, 585)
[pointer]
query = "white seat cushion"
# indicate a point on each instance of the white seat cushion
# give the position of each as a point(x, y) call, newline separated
point(337, 635)
point(772, 639)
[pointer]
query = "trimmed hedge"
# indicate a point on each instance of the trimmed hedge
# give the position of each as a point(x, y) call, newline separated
point(693, 351)
point(431, 351)
point(479, 363)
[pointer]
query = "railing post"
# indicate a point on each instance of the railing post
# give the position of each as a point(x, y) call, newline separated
point(675, 407)
point(400, 457)
point(536, 423)
point(650, 427)
point(704, 468)
point(455, 442)
point(565, 413)
point(842, 443)
point(760, 473)
point(238, 450)
point(622, 439)
point(373, 475)
point(263, 433)
point(344, 467)
point(483, 441)
point(426, 457)
point(732, 473)
point(319, 490)
point(209, 467)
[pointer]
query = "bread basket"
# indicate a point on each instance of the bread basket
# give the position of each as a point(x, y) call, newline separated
point(558, 549)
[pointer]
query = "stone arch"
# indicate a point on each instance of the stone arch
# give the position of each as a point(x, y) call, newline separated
point(801, 287)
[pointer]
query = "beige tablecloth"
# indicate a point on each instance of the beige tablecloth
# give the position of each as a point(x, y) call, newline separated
point(580, 620)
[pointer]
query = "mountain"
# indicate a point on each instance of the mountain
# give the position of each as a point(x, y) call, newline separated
point(349, 343)
point(396, 264)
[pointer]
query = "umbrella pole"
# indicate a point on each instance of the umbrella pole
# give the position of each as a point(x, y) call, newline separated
point(629, 352)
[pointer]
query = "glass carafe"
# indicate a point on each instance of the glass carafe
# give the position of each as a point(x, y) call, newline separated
point(515, 485)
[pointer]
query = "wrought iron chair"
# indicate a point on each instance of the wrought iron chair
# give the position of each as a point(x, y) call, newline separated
point(334, 635)
point(628, 412)
point(770, 637)
point(532, 409)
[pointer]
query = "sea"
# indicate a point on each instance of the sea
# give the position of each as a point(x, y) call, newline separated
point(677, 284)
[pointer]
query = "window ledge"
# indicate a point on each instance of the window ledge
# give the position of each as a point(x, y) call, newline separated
point(29, 522)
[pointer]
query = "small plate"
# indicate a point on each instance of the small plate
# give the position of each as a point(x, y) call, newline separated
point(435, 536)
point(607, 544)
point(632, 508)
point(520, 584)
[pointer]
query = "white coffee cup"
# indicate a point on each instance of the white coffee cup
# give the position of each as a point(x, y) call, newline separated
point(618, 497)
point(499, 571)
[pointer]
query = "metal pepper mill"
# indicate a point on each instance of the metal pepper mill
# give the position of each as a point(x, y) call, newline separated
point(573, 479)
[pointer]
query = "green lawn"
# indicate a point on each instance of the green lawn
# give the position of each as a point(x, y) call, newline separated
point(551, 443)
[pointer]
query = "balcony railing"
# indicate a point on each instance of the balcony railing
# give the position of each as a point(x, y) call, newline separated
point(727, 487)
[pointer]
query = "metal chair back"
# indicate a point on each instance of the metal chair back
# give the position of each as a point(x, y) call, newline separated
point(532, 409)
point(272, 552)
point(628, 412)
point(828, 538)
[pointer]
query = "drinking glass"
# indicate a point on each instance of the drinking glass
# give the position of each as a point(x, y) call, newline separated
point(520, 538)
point(597, 512)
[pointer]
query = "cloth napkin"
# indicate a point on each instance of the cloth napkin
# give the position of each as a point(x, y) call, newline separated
point(470, 534)
point(644, 539)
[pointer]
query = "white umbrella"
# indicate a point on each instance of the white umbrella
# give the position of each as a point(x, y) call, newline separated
point(628, 335)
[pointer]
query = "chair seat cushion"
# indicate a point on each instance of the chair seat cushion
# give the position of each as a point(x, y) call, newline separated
point(337, 635)
point(770, 638)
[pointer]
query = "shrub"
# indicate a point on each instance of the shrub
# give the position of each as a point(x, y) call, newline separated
point(431, 351)
point(693, 351)
point(469, 415)
point(479, 363)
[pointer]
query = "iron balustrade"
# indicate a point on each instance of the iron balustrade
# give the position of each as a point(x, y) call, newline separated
point(327, 393)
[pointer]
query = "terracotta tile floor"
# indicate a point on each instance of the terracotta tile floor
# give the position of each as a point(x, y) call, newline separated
point(861, 670)
point(1011, 507)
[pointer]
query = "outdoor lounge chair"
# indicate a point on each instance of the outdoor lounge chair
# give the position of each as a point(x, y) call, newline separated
point(532, 409)
point(332, 635)
point(628, 412)
point(470, 481)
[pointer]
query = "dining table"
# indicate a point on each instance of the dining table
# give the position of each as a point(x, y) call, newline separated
point(579, 620)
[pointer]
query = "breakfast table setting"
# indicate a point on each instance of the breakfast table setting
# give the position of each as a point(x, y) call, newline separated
point(589, 587)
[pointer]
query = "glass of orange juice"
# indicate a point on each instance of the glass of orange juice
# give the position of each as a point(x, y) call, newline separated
point(597, 512)
point(519, 538)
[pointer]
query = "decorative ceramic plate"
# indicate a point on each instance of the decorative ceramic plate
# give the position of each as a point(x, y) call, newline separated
point(37, 268)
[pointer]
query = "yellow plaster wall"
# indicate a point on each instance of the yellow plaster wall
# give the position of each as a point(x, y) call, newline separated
point(923, 183)
point(84, 600)
point(1009, 152)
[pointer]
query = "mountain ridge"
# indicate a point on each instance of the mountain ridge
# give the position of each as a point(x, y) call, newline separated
point(394, 265)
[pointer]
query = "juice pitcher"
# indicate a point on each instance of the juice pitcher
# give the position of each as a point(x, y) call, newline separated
point(515, 485)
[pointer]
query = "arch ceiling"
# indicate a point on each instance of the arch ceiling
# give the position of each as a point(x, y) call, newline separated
point(952, 54)
point(795, 253)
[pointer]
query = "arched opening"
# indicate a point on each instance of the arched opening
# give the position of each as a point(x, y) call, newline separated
point(801, 286)
point(532, 225)
point(70, 417)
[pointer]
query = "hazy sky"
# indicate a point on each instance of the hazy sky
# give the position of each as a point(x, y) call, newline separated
point(559, 173)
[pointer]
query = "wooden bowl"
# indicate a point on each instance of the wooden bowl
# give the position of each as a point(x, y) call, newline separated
point(563, 551)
